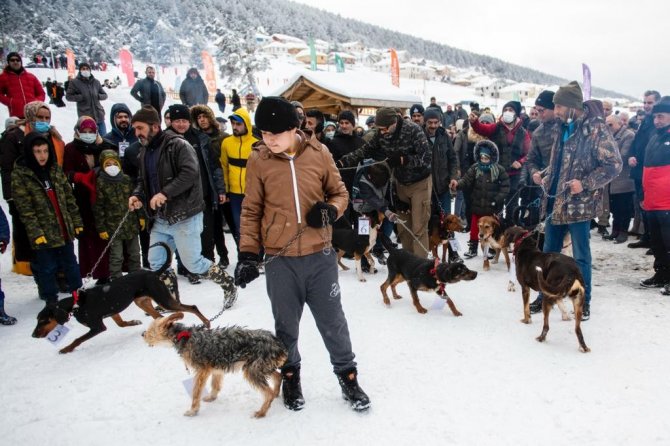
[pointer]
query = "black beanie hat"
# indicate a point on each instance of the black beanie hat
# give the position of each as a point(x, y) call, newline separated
point(662, 106)
point(179, 111)
point(545, 99)
point(275, 114)
point(515, 105)
point(432, 113)
point(416, 108)
point(347, 115)
point(84, 65)
point(14, 54)
point(146, 114)
point(570, 96)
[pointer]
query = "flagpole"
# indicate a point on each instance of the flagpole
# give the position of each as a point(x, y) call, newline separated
point(53, 61)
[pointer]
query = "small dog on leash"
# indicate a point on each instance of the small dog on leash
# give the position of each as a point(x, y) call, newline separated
point(258, 353)
point(439, 228)
point(348, 241)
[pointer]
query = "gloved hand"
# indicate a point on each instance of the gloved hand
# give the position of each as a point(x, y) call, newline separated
point(246, 269)
point(41, 240)
point(78, 230)
point(391, 216)
point(3, 246)
point(394, 160)
point(402, 206)
point(104, 235)
point(315, 217)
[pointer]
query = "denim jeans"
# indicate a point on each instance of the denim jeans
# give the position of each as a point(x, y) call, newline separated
point(47, 262)
point(581, 246)
point(183, 237)
point(102, 128)
point(459, 206)
point(236, 210)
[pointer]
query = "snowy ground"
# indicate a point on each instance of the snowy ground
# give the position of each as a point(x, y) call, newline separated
point(433, 379)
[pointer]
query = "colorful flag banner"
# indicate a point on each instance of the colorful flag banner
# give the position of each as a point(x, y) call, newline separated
point(126, 59)
point(210, 74)
point(339, 64)
point(312, 55)
point(70, 63)
point(395, 68)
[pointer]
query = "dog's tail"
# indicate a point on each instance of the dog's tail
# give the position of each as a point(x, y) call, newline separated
point(168, 257)
point(546, 288)
point(386, 242)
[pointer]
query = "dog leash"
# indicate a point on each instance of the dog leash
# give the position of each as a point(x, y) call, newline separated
point(358, 165)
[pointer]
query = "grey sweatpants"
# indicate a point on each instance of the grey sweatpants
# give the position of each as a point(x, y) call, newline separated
point(293, 282)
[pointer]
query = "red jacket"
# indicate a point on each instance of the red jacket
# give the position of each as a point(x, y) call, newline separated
point(16, 90)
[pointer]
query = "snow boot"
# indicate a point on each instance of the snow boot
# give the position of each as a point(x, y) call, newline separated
point(622, 237)
point(378, 253)
point(219, 276)
point(453, 256)
point(351, 391)
point(586, 312)
point(666, 290)
point(658, 280)
point(291, 389)
point(472, 249)
point(536, 305)
point(5, 319)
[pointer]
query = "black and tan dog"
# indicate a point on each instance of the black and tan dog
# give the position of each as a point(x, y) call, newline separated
point(555, 275)
point(439, 229)
point(258, 353)
point(101, 301)
point(492, 235)
point(348, 241)
point(420, 275)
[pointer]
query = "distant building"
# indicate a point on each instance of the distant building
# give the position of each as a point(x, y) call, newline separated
point(305, 56)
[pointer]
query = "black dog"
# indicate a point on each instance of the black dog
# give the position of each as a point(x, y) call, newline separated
point(96, 303)
point(348, 241)
point(421, 275)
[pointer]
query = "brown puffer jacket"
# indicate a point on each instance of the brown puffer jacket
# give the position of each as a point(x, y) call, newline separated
point(279, 193)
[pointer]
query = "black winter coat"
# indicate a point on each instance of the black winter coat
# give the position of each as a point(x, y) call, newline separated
point(445, 162)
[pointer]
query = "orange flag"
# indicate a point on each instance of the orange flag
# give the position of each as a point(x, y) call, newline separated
point(70, 63)
point(395, 68)
point(210, 75)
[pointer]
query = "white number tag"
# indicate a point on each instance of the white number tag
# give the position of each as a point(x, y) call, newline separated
point(455, 245)
point(363, 226)
point(56, 335)
point(122, 148)
point(512, 270)
point(188, 386)
point(438, 304)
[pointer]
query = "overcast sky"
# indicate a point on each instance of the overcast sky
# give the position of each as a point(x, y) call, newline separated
point(626, 43)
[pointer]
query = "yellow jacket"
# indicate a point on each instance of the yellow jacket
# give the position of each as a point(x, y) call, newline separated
point(235, 151)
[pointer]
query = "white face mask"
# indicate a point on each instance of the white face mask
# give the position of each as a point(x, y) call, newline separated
point(88, 138)
point(508, 117)
point(329, 135)
point(112, 170)
point(86, 73)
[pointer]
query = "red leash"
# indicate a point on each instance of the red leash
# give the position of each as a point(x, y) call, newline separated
point(433, 272)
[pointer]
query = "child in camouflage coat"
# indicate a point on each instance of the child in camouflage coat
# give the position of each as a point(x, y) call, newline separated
point(47, 208)
point(113, 188)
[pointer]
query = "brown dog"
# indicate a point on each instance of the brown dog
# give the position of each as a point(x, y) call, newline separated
point(439, 227)
point(258, 353)
point(492, 234)
point(555, 275)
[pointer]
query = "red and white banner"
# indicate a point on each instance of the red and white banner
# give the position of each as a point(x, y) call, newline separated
point(126, 59)
point(395, 68)
point(70, 63)
point(210, 75)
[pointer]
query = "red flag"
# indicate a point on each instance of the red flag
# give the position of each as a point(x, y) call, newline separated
point(126, 59)
point(395, 68)
point(70, 63)
point(210, 76)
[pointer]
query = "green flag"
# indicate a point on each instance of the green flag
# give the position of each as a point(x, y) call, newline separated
point(339, 64)
point(312, 54)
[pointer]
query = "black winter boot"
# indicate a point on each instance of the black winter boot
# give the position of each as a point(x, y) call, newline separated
point(472, 249)
point(536, 305)
point(351, 391)
point(658, 280)
point(219, 276)
point(291, 389)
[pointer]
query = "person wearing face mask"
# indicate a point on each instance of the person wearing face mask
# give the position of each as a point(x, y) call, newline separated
point(329, 130)
point(513, 142)
point(584, 159)
point(113, 188)
point(87, 92)
point(18, 87)
point(37, 119)
point(79, 163)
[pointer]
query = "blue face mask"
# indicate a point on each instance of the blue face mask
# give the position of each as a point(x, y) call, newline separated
point(42, 127)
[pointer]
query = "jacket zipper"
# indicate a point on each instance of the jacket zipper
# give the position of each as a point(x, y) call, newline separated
point(295, 191)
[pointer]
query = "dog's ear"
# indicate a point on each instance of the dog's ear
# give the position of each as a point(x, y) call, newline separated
point(171, 319)
point(61, 315)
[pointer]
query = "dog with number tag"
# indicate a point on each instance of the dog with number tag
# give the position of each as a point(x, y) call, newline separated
point(258, 353)
point(440, 228)
point(348, 241)
point(101, 301)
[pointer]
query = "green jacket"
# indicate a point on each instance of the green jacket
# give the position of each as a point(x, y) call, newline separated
point(111, 204)
point(35, 208)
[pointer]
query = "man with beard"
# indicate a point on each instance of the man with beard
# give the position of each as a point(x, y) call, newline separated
point(583, 160)
point(149, 91)
point(122, 134)
point(169, 183)
point(18, 87)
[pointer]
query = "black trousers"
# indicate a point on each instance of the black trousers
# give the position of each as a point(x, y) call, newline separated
point(621, 207)
point(659, 233)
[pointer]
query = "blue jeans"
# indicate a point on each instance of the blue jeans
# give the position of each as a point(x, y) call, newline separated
point(236, 210)
point(445, 202)
point(47, 262)
point(581, 246)
point(459, 206)
point(183, 237)
point(102, 128)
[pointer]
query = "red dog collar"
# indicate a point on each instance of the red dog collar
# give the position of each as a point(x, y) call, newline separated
point(433, 272)
point(183, 335)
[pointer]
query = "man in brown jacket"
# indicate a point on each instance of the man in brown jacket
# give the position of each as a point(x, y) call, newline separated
point(293, 194)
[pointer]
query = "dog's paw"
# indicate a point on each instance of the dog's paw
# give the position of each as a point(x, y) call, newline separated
point(584, 350)
point(526, 320)
point(362, 279)
point(345, 268)
point(191, 413)
point(422, 310)
point(566, 317)
point(510, 287)
point(540, 338)
point(134, 322)
point(457, 313)
point(209, 398)
point(494, 261)
point(397, 296)
point(486, 267)
point(259, 414)
point(65, 350)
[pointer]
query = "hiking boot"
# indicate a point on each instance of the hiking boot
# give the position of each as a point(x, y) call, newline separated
point(224, 262)
point(491, 254)
point(602, 230)
point(472, 249)
point(622, 237)
point(351, 391)
point(193, 279)
point(454, 257)
point(291, 389)
point(611, 236)
point(219, 276)
point(642, 243)
point(536, 305)
point(658, 280)
point(586, 312)
point(666, 290)
point(379, 255)
point(6, 319)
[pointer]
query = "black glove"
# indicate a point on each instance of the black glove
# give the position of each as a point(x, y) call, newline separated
point(315, 217)
point(246, 269)
point(394, 160)
point(402, 206)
